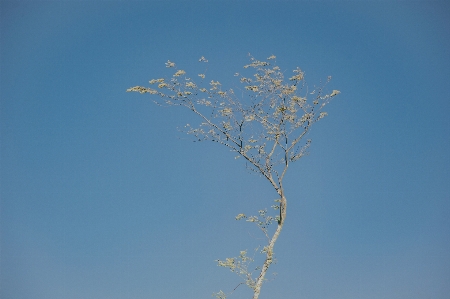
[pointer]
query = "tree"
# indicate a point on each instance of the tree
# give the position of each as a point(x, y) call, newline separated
point(265, 123)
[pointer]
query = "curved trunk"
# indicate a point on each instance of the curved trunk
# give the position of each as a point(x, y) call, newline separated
point(269, 253)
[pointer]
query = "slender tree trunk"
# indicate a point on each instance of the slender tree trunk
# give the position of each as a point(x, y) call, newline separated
point(269, 253)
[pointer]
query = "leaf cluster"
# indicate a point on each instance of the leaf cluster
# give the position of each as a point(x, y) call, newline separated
point(265, 120)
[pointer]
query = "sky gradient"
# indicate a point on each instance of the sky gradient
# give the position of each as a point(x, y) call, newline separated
point(103, 198)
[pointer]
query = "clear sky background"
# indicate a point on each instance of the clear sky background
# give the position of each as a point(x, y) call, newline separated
point(102, 197)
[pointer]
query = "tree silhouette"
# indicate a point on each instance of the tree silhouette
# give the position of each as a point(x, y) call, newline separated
point(265, 122)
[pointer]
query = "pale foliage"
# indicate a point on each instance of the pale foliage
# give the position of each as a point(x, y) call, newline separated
point(265, 121)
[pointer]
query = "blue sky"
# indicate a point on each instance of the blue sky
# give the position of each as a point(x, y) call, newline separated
point(102, 196)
